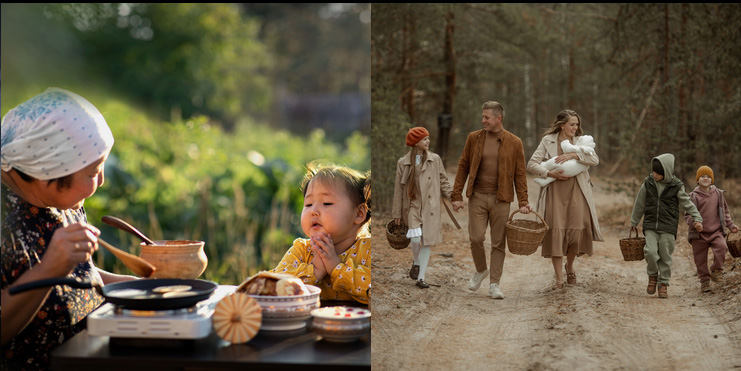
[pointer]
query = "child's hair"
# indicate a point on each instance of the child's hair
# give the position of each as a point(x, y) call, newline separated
point(413, 179)
point(357, 184)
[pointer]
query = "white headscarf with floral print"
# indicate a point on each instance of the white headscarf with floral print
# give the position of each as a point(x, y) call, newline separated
point(54, 134)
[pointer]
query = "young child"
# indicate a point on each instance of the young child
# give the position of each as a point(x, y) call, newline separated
point(716, 218)
point(420, 183)
point(337, 255)
point(658, 203)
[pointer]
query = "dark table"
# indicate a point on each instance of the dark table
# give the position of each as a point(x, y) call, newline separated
point(279, 350)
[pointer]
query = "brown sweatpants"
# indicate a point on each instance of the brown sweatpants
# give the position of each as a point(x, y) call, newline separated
point(717, 244)
point(484, 211)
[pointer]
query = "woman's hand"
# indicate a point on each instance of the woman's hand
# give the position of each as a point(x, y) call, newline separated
point(558, 175)
point(566, 156)
point(698, 226)
point(69, 246)
point(397, 221)
point(323, 248)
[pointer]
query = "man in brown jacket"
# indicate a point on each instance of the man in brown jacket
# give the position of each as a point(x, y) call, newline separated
point(493, 161)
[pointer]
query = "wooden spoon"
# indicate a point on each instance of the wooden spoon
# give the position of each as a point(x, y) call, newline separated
point(122, 225)
point(139, 266)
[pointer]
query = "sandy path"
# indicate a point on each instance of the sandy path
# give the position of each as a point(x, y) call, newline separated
point(605, 321)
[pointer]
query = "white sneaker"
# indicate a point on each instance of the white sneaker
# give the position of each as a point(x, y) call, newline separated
point(475, 281)
point(495, 292)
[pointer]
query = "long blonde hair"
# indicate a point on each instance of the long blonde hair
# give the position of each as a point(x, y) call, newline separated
point(562, 118)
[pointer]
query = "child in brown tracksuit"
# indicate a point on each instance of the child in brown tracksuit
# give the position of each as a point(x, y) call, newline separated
point(716, 218)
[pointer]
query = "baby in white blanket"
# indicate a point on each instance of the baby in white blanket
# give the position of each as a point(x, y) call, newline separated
point(584, 144)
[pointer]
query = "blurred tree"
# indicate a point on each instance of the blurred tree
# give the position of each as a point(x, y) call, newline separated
point(322, 65)
point(318, 47)
point(178, 59)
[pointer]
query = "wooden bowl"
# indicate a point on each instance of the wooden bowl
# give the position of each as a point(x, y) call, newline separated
point(182, 259)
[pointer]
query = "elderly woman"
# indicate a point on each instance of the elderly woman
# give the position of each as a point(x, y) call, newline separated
point(54, 147)
point(567, 204)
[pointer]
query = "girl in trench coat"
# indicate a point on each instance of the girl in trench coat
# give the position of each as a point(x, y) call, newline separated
point(420, 183)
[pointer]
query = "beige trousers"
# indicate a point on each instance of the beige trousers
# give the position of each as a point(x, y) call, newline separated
point(484, 211)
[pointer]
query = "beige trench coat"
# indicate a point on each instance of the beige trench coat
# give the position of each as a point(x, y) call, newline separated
point(547, 149)
point(434, 184)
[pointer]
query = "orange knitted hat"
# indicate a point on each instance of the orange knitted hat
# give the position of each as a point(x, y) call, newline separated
point(415, 135)
point(705, 170)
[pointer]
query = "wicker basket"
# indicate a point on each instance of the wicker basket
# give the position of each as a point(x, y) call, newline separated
point(397, 235)
point(632, 247)
point(734, 246)
point(524, 236)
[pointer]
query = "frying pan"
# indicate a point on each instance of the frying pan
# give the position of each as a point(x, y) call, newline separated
point(200, 290)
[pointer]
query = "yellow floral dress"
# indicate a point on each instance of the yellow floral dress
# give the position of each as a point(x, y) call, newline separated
point(349, 280)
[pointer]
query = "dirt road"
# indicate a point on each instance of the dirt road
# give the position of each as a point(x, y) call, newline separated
point(604, 322)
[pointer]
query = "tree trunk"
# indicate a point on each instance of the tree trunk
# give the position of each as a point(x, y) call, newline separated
point(406, 69)
point(445, 121)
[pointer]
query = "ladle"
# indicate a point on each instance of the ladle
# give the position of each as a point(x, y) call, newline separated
point(139, 266)
point(122, 225)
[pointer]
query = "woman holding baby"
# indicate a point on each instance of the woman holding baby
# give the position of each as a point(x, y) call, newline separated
point(566, 204)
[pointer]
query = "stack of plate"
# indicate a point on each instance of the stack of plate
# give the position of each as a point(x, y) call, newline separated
point(286, 313)
point(341, 324)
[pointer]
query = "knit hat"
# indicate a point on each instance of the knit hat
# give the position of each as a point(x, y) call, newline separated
point(657, 167)
point(705, 170)
point(415, 135)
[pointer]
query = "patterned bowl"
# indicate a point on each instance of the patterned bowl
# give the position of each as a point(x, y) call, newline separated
point(286, 313)
point(341, 324)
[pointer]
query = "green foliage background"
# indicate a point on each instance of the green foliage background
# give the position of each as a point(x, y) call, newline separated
point(178, 170)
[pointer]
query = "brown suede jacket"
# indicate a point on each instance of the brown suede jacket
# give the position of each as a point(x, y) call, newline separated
point(512, 171)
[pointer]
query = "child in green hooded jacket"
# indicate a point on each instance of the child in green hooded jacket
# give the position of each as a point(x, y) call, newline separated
point(658, 202)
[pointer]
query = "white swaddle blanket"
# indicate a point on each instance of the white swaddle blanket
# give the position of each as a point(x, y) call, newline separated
point(584, 144)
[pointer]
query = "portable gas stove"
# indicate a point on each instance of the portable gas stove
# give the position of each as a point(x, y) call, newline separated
point(187, 323)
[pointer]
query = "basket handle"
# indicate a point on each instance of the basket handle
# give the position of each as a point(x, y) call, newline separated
point(630, 233)
point(532, 211)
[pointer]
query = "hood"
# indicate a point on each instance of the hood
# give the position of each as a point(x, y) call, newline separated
point(667, 161)
point(700, 194)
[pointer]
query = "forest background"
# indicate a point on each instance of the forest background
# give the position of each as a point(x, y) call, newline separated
point(215, 109)
point(646, 79)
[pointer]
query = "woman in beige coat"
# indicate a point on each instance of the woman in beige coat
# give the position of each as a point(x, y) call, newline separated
point(567, 205)
point(420, 183)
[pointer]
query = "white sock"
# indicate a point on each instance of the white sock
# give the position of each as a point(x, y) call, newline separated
point(416, 243)
point(424, 259)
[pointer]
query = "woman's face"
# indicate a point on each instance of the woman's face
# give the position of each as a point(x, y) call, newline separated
point(83, 185)
point(424, 143)
point(329, 209)
point(570, 127)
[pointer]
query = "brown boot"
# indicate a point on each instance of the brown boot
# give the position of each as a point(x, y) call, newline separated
point(717, 276)
point(662, 291)
point(705, 286)
point(414, 272)
point(422, 284)
point(651, 289)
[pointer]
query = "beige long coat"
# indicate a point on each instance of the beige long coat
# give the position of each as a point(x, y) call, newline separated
point(547, 149)
point(434, 184)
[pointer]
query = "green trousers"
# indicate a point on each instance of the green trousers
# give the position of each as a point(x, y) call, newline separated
point(658, 252)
